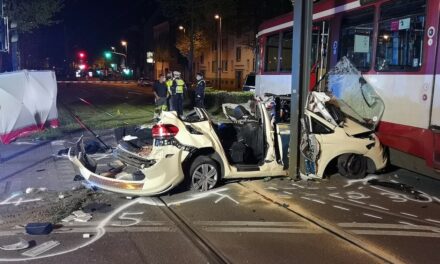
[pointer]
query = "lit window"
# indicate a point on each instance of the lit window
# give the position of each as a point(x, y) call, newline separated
point(400, 38)
point(356, 38)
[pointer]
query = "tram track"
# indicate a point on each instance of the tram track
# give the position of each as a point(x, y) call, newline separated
point(206, 248)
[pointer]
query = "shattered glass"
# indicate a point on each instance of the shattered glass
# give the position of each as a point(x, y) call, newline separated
point(356, 97)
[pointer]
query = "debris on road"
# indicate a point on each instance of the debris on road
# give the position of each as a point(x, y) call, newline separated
point(399, 187)
point(39, 228)
point(38, 250)
point(29, 190)
point(22, 244)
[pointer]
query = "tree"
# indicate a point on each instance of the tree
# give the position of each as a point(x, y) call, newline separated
point(183, 44)
point(32, 14)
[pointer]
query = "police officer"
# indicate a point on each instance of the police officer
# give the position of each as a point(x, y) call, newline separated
point(169, 83)
point(177, 90)
point(200, 91)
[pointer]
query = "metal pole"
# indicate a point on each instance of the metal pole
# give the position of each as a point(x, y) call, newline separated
point(302, 40)
point(220, 59)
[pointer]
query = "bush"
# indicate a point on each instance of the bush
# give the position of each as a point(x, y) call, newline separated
point(215, 98)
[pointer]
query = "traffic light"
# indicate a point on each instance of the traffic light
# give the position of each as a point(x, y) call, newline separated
point(108, 55)
point(81, 54)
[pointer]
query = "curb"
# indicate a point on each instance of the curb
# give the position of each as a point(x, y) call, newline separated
point(362, 244)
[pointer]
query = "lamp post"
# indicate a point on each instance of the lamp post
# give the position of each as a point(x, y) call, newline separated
point(182, 28)
point(125, 44)
point(219, 47)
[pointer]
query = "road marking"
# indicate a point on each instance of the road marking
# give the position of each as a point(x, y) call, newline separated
point(271, 188)
point(373, 216)
point(318, 201)
point(432, 220)
point(380, 207)
point(340, 207)
point(306, 198)
point(395, 233)
point(260, 230)
point(408, 214)
point(299, 186)
point(336, 195)
point(248, 223)
point(354, 201)
point(406, 223)
point(287, 192)
point(389, 226)
point(331, 188)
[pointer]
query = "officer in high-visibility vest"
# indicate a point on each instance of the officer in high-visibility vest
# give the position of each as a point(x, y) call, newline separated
point(177, 90)
point(169, 83)
point(200, 91)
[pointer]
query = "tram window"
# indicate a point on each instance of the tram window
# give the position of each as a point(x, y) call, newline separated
point(271, 58)
point(400, 38)
point(357, 38)
point(286, 52)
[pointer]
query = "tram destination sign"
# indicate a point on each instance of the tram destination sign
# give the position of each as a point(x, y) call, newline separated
point(366, 2)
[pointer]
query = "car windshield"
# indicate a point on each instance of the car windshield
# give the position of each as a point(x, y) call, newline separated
point(356, 97)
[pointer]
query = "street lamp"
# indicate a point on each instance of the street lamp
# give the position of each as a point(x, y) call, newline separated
point(219, 46)
point(182, 28)
point(125, 44)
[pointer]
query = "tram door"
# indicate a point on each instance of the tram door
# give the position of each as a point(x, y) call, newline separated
point(435, 108)
point(320, 39)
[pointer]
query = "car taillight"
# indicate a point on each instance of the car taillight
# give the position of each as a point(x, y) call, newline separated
point(164, 131)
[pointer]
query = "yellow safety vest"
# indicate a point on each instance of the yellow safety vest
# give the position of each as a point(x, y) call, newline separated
point(180, 84)
point(169, 83)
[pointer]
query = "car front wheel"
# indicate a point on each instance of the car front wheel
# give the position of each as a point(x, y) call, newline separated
point(352, 166)
point(204, 174)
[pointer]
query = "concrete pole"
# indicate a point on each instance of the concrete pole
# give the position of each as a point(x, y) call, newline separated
point(301, 64)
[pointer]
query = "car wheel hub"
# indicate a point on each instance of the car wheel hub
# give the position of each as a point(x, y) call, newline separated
point(204, 177)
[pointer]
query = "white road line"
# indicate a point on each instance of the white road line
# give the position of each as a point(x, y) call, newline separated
point(336, 195)
point(287, 192)
point(389, 226)
point(306, 198)
point(354, 201)
point(331, 188)
point(318, 201)
point(406, 223)
point(299, 186)
point(289, 188)
point(373, 216)
point(395, 233)
point(340, 207)
point(260, 230)
point(248, 223)
point(408, 214)
point(284, 196)
point(379, 207)
point(432, 220)
point(271, 188)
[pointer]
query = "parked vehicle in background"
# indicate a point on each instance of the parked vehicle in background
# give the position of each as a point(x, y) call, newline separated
point(144, 82)
point(249, 84)
point(394, 44)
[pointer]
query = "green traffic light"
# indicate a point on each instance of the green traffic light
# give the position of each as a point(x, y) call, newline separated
point(108, 55)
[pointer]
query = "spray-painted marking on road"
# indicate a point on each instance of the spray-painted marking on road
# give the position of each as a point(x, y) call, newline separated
point(372, 216)
point(433, 221)
point(16, 202)
point(358, 202)
point(379, 207)
point(406, 223)
point(340, 207)
point(313, 200)
point(336, 195)
point(407, 214)
point(219, 193)
point(287, 192)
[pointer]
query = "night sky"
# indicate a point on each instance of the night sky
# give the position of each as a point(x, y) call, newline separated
point(92, 26)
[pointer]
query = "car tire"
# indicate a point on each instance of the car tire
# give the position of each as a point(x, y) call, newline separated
point(352, 166)
point(204, 174)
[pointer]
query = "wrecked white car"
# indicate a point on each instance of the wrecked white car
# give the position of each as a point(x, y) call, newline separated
point(192, 149)
point(199, 152)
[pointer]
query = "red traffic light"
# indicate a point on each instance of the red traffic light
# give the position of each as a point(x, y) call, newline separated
point(82, 55)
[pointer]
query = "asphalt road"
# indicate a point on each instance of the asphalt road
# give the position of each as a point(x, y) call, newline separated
point(276, 221)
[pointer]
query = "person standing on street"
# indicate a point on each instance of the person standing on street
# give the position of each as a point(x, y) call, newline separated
point(200, 91)
point(169, 83)
point(177, 90)
point(160, 93)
